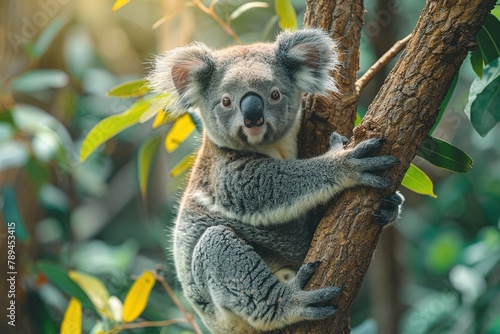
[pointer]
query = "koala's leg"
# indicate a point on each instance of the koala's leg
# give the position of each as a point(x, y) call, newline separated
point(241, 284)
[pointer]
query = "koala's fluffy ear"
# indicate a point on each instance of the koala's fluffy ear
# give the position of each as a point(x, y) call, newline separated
point(182, 73)
point(309, 57)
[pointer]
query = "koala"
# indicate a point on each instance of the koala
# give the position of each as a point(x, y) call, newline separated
point(242, 229)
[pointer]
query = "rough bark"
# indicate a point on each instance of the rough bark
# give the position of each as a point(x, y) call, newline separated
point(323, 115)
point(403, 112)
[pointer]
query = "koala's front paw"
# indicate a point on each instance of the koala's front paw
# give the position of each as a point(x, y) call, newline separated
point(360, 159)
point(312, 305)
point(390, 209)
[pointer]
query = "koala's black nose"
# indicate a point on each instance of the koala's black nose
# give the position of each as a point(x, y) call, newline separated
point(252, 108)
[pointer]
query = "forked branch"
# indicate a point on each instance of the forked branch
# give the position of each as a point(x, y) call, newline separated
point(381, 63)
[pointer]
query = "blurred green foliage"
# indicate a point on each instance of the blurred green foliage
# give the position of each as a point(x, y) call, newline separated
point(91, 216)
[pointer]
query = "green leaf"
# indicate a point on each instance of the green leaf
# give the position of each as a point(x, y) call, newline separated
point(243, 8)
point(286, 13)
point(476, 61)
point(442, 154)
point(11, 214)
point(60, 279)
point(6, 117)
point(36, 80)
point(417, 181)
point(145, 157)
point(485, 110)
point(444, 103)
point(358, 120)
point(489, 39)
point(128, 89)
point(48, 35)
point(112, 125)
point(484, 99)
point(13, 154)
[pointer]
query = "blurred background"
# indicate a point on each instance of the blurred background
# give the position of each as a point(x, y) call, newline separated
point(436, 271)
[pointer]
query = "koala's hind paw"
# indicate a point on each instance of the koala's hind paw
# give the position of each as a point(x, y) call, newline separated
point(312, 305)
point(390, 209)
point(305, 272)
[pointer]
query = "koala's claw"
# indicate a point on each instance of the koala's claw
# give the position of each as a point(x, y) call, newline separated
point(367, 148)
point(389, 210)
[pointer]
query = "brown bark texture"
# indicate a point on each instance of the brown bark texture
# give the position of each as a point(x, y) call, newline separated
point(323, 115)
point(403, 112)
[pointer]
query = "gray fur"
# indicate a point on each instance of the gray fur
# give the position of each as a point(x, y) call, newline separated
point(242, 230)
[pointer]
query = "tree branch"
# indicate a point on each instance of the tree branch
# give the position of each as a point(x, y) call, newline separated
point(403, 112)
point(380, 64)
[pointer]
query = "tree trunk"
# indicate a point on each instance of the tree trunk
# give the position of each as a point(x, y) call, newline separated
point(403, 112)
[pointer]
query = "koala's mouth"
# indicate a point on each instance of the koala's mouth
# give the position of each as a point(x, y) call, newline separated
point(256, 134)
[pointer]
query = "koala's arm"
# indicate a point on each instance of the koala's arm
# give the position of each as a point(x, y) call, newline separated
point(268, 191)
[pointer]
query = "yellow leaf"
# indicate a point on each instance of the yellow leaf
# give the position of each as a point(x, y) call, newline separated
point(181, 129)
point(417, 181)
point(161, 118)
point(129, 89)
point(182, 166)
point(137, 297)
point(286, 13)
point(112, 125)
point(95, 289)
point(154, 109)
point(119, 4)
point(72, 321)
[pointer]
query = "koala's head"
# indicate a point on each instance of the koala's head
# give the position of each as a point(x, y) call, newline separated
point(247, 95)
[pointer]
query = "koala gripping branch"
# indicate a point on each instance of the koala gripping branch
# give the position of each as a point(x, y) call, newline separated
point(403, 112)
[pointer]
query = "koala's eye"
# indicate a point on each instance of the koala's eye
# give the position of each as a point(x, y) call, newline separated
point(275, 95)
point(226, 101)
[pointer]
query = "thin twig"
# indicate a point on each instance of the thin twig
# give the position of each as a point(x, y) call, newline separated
point(379, 64)
point(189, 317)
point(211, 11)
point(144, 324)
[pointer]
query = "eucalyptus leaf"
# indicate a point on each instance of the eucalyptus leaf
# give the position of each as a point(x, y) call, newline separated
point(112, 125)
point(37, 80)
point(482, 107)
point(49, 34)
point(485, 110)
point(128, 89)
point(11, 214)
point(489, 39)
point(418, 182)
point(476, 61)
point(443, 154)
point(145, 157)
point(13, 154)
point(286, 13)
point(60, 279)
